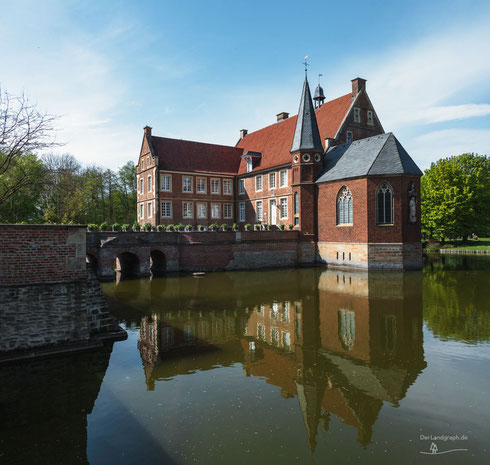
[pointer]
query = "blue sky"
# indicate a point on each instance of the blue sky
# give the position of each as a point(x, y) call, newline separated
point(203, 70)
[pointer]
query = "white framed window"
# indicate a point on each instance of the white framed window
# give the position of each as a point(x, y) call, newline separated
point(249, 165)
point(166, 209)
point(348, 137)
point(215, 210)
point(215, 186)
point(241, 212)
point(357, 115)
point(370, 117)
point(384, 204)
point(186, 184)
point(166, 182)
point(149, 184)
point(258, 210)
point(272, 180)
point(284, 207)
point(201, 210)
point(142, 210)
point(187, 209)
point(149, 209)
point(201, 185)
point(286, 340)
point(344, 206)
point(142, 186)
point(283, 178)
point(261, 332)
point(241, 186)
point(258, 183)
point(228, 210)
point(227, 186)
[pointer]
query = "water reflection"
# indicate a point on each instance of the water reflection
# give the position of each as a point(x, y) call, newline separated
point(341, 343)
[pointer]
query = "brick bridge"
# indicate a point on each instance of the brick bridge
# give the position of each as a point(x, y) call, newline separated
point(140, 253)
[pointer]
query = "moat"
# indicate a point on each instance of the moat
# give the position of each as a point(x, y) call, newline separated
point(288, 366)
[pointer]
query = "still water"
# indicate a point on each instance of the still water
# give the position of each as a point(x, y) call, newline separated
point(293, 366)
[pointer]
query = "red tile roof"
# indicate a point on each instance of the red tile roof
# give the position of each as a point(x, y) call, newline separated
point(274, 142)
point(199, 157)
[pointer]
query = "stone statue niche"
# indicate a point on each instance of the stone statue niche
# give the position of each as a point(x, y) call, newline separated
point(412, 204)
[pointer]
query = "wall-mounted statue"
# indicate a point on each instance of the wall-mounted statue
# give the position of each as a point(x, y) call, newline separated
point(412, 204)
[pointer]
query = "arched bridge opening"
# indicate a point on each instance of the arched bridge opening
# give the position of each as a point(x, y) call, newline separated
point(128, 264)
point(158, 262)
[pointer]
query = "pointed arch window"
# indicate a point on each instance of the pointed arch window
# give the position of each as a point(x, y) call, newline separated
point(345, 207)
point(384, 204)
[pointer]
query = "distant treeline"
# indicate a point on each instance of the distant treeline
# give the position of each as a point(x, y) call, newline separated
point(62, 191)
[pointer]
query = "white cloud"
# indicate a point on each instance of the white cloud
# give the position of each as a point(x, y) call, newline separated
point(434, 145)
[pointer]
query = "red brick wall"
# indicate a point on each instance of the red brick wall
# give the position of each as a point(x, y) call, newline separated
point(41, 254)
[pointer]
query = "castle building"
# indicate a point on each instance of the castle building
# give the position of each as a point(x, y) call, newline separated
point(330, 172)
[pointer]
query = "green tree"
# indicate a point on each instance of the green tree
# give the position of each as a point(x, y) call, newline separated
point(456, 197)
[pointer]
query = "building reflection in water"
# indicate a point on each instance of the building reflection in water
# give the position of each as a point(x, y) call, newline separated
point(342, 343)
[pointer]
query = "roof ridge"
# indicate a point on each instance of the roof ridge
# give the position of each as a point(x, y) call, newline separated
point(197, 142)
point(380, 150)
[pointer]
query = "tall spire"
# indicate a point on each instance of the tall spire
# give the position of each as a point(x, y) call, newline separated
point(306, 135)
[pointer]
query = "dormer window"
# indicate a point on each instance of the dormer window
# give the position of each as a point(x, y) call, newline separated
point(348, 137)
point(249, 165)
point(357, 115)
point(370, 118)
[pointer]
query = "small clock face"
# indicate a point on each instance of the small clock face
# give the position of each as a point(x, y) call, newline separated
point(296, 159)
point(306, 157)
point(318, 157)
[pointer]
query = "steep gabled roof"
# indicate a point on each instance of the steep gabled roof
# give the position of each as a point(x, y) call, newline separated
point(274, 142)
point(377, 155)
point(184, 155)
point(306, 134)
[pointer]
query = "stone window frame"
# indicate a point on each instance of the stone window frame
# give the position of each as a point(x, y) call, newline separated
point(142, 185)
point(162, 186)
point(142, 210)
point(345, 200)
point(257, 179)
point(228, 182)
point(198, 210)
point(370, 117)
point(272, 176)
point(214, 205)
point(249, 165)
point(230, 216)
point(387, 187)
point(149, 209)
point(285, 183)
point(184, 178)
point(241, 218)
point(259, 217)
point(188, 216)
point(357, 114)
point(241, 186)
point(201, 178)
point(169, 204)
point(213, 184)
point(150, 183)
point(281, 216)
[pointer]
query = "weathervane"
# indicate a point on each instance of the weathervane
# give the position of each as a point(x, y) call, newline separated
point(319, 76)
point(306, 65)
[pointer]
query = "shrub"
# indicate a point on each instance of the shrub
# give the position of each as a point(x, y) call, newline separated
point(188, 227)
point(136, 226)
point(257, 227)
point(282, 227)
point(170, 227)
point(104, 226)
point(160, 227)
point(213, 226)
point(235, 227)
point(448, 246)
point(125, 227)
point(200, 227)
point(224, 227)
point(116, 227)
point(147, 227)
point(432, 247)
point(248, 227)
point(92, 227)
point(291, 226)
point(180, 227)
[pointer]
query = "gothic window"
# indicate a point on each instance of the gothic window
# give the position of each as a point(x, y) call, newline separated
point(345, 210)
point(384, 204)
point(346, 328)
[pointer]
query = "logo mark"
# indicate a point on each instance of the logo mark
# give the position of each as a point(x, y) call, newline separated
point(435, 451)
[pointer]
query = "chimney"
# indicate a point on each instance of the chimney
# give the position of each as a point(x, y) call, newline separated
point(147, 130)
point(243, 133)
point(358, 84)
point(328, 143)
point(282, 116)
